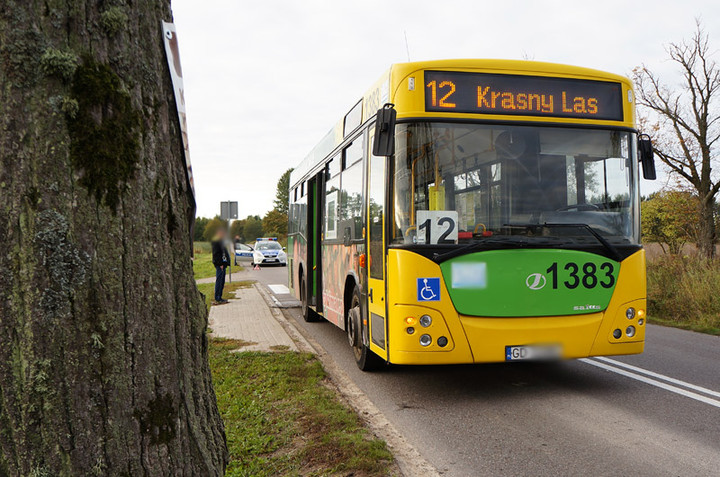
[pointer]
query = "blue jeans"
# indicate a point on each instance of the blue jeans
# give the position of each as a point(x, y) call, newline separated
point(219, 282)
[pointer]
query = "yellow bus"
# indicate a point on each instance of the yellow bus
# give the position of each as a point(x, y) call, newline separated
point(471, 211)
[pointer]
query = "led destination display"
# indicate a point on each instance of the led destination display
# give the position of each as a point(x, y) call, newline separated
point(486, 93)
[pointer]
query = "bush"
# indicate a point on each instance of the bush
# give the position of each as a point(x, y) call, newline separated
point(670, 217)
point(684, 291)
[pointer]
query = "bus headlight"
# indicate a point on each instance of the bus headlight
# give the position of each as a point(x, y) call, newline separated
point(425, 340)
point(425, 321)
point(630, 313)
point(630, 331)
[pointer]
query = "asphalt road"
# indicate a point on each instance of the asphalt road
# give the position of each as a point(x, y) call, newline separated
point(585, 417)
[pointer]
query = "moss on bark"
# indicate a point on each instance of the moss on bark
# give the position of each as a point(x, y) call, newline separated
point(103, 356)
point(103, 131)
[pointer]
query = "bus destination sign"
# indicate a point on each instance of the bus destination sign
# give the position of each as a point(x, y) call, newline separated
point(486, 93)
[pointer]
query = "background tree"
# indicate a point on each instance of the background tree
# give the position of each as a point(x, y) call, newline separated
point(103, 363)
point(237, 229)
point(275, 224)
point(671, 218)
point(253, 228)
point(212, 227)
point(685, 124)
point(282, 194)
point(199, 230)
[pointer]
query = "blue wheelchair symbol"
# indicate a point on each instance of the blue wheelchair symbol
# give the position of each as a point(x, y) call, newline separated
point(428, 289)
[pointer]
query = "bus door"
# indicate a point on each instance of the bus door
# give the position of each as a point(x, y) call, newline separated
point(315, 219)
point(376, 205)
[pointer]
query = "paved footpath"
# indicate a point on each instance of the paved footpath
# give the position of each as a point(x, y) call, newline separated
point(250, 317)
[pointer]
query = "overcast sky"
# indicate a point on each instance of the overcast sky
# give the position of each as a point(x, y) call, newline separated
point(265, 80)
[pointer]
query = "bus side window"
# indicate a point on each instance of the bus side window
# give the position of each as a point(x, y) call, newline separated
point(331, 207)
point(351, 203)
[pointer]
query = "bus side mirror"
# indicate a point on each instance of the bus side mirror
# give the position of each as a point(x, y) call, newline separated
point(647, 158)
point(384, 142)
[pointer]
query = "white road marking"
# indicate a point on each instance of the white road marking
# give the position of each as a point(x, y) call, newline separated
point(279, 289)
point(653, 382)
point(694, 387)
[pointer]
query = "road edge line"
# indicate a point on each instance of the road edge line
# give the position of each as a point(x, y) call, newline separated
point(652, 382)
point(663, 377)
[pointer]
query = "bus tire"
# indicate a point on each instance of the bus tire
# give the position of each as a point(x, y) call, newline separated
point(365, 359)
point(308, 314)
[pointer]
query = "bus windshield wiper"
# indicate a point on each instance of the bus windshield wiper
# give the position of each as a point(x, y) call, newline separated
point(504, 242)
point(612, 251)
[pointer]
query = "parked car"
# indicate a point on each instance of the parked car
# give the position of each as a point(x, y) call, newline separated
point(269, 251)
point(243, 253)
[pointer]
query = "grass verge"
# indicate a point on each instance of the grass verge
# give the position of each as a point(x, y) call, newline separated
point(208, 290)
point(683, 292)
point(280, 418)
point(203, 266)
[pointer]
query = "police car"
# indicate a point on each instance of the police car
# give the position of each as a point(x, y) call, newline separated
point(269, 251)
point(243, 253)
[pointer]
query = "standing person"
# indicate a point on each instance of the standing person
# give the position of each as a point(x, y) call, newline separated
point(221, 260)
point(236, 247)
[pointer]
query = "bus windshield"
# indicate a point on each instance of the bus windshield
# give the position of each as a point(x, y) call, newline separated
point(464, 183)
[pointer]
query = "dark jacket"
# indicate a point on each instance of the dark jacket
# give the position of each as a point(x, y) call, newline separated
point(219, 253)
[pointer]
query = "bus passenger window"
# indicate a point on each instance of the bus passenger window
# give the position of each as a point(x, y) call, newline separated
point(351, 202)
point(352, 153)
point(331, 208)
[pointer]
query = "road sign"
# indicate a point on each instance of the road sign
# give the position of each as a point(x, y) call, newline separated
point(228, 210)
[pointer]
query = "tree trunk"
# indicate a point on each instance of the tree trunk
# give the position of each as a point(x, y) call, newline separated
point(103, 356)
point(707, 232)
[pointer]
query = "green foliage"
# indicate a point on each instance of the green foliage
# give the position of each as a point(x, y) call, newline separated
point(212, 227)
point(237, 229)
point(282, 195)
point(57, 63)
point(104, 140)
point(253, 228)
point(275, 224)
point(683, 292)
point(670, 218)
point(113, 20)
point(281, 420)
point(199, 230)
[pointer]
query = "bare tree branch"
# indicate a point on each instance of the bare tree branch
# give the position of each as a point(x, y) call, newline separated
point(686, 134)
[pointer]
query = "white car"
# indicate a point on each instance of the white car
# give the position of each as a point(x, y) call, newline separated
point(243, 253)
point(269, 252)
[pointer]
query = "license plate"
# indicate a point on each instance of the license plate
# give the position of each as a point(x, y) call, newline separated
point(519, 353)
point(271, 259)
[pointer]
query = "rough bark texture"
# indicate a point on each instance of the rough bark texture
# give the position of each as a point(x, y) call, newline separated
point(103, 352)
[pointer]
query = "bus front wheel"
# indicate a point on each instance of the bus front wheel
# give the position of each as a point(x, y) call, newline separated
point(366, 360)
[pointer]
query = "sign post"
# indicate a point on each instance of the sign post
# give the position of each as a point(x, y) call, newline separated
point(229, 211)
